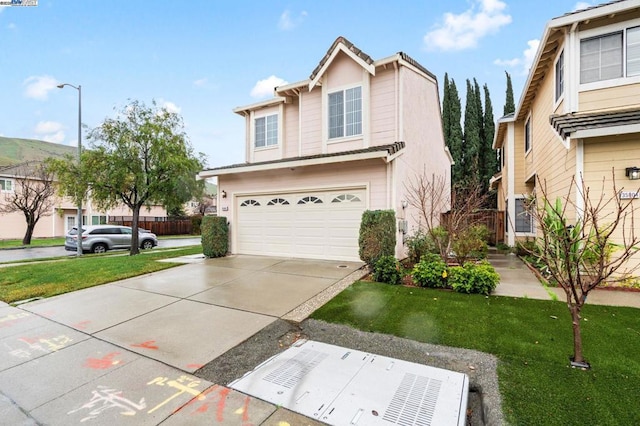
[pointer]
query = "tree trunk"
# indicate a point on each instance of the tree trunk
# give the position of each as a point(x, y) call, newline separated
point(577, 335)
point(135, 245)
point(31, 224)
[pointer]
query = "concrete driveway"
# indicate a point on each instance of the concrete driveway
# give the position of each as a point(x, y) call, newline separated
point(122, 353)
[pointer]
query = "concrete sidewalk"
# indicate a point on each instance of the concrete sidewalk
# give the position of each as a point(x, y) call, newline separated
point(517, 280)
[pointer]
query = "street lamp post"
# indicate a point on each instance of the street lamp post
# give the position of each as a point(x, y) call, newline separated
point(79, 217)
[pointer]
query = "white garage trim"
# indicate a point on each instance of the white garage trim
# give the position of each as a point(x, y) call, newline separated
point(317, 223)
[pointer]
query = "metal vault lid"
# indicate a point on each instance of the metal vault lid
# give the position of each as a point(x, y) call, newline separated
point(341, 386)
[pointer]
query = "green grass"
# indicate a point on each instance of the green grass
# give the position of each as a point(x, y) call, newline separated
point(537, 385)
point(35, 242)
point(46, 279)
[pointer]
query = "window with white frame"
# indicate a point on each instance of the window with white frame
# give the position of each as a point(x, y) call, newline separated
point(611, 55)
point(523, 222)
point(99, 220)
point(633, 51)
point(527, 135)
point(6, 185)
point(266, 131)
point(345, 113)
point(560, 75)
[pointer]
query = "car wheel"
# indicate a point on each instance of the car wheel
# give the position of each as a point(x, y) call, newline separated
point(99, 248)
point(147, 244)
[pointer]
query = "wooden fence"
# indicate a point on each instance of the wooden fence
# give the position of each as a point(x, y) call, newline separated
point(492, 219)
point(168, 227)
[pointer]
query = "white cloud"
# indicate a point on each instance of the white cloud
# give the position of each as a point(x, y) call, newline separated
point(38, 87)
point(12, 26)
point(202, 82)
point(582, 5)
point(464, 30)
point(170, 106)
point(287, 22)
point(50, 131)
point(525, 62)
point(264, 88)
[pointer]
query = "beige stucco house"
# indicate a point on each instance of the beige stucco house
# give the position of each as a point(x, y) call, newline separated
point(63, 212)
point(578, 115)
point(325, 149)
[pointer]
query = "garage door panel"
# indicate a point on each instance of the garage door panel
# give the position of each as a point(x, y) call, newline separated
point(315, 230)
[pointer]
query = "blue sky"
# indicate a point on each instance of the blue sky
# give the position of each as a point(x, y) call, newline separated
point(202, 58)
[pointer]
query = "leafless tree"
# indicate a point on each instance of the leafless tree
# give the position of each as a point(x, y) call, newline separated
point(582, 254)
point(431, 197)
point(33, 194)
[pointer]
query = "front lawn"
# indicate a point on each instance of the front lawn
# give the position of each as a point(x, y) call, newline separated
point(532, 339)
point(49, 278)
point(35, 242)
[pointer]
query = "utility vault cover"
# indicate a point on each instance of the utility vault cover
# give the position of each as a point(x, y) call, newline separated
point(341, 386)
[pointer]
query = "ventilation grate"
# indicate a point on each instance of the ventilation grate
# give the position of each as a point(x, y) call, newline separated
point(290, 373)
point(414, 401)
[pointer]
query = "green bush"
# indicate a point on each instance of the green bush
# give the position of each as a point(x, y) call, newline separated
point(471, 243)
point(215, 236)
point(431, 271)
point(526, 247)
point(479, 278)
point(387, 270)
point(196, 224)
point(377, 235)
point(418, 245)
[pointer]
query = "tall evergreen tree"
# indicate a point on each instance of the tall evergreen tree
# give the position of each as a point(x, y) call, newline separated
point(509, 103)
point(455, 137)
point(471, 136)
point(490, 159)
point(446, 112)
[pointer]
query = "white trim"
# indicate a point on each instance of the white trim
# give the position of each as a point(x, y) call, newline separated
point(300, 124)
point(252, 136)
point(622, 129)
point(365, 114)
point(205, 174)
point(529, 120)
point(371, 69)
point(558, 99)
point(533, 223)
point(363, 106)
point(571, 72)
point(401, 105)
point(280, 144)
point(242, 110)
point(579, 177)
point(292, 86)
point(324, 114)
point(345, 139)
point(396, 89)
point(594, 12)
point(511, 181)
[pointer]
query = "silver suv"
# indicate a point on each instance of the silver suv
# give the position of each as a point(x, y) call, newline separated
point(100, 238)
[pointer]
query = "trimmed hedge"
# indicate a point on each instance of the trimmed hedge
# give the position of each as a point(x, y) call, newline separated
point(377, 235)
point(215, 236)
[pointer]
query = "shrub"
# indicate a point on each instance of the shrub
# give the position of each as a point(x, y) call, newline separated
point(418, 245)
point(377, 235)
point(431, 271)
point(196, 223)
point(526, 247)
point(471, 243)
point(479, 278)
point(387, 270)
point(215, 236)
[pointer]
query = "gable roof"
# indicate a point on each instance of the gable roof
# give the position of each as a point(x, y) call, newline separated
point(380, 151)
point(341, 44)
point(552, 38)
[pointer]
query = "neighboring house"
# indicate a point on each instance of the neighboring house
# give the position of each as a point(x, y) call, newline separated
point(325, 149)
point(63, 212)
point(578, 116)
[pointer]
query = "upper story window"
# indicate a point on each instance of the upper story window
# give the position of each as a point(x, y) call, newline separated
point(266, 131)
point(560, 75)
point(345, 113)
point(6, 185)
point(527, 135)
point(609, 56)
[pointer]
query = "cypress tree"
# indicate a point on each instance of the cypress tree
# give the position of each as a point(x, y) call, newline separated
point(471, 146)
point(455, 134)
point(490, 160)
point(446, 112)
point(509, 104)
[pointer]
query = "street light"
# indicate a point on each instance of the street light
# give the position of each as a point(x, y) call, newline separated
point(79, 217)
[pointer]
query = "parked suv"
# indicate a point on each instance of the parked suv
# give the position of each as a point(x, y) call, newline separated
point(100, 238)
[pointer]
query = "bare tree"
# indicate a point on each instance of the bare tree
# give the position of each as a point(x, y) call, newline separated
point(582, 254)
point(32, 195)
point(431, 197)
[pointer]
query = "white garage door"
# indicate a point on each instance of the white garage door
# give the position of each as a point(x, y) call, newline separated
point(312, 224)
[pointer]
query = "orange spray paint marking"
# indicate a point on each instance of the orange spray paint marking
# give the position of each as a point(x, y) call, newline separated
point(221, 403)
point(81, 325)
point(103, 363)
point(245, 410)
point(149, 344)
point(196, 366)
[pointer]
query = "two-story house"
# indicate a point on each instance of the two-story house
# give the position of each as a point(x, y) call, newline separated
point(325, 149)
point(578, 116)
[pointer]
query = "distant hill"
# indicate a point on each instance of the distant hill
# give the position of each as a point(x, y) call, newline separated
point(15, 150)
point(210, 188)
